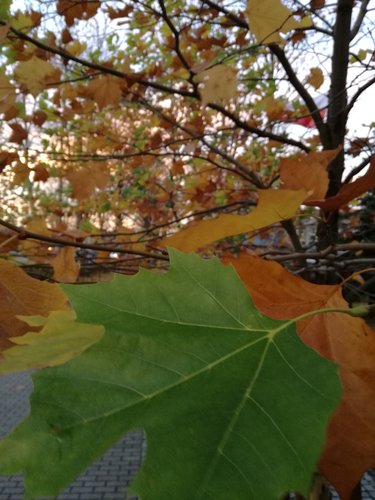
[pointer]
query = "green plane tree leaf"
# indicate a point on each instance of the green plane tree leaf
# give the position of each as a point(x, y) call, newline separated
point(233, 404)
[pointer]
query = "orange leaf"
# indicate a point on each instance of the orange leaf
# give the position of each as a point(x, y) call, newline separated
point(105, 91)
point(65, 267)
point(307, 172)
point(348, 341)
point(35, 74)
point(84, 181)
point(273, 206)
point(22, 295)
point(349, 191)
point(83, 185)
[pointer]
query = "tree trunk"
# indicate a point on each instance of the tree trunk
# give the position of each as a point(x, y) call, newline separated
point(337, 117)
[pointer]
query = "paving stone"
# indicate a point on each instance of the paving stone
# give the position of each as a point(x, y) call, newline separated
point(107, 479)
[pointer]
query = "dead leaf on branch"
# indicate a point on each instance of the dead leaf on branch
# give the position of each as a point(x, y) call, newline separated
point(72, 10)
point(315, 78)
point(4, 31)
point(65, 267)
point(22, 295)
point(349, 191)
point(37, 251)
point(218, 84)
point(273, 206)
point(7, 94)
point(35, 74)
point(268, 18)
point(307, 171)
point(40, 173)
point(106, 90)
point(6, 158)
point(86, 180)
point(348, 341)
point(19, 133)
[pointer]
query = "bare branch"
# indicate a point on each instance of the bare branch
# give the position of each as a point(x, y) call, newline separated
point(358, 22)
point(24, 234)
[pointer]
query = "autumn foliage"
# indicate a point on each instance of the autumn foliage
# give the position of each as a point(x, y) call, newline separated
point(134, 133)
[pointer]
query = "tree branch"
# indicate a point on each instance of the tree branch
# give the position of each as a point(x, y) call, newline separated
point(358, 22)
point(305, 95)
point(24, 234)
point(100, 67)
point(357, 94)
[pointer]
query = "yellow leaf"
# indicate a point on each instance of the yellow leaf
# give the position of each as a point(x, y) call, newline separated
point(76, 48)
point(60, 339)
point(65, 267)
point(315, 78)
point(267, 18)
point(23, 22)
point(273, 206)
point(33, 74)
point(218, 84)
point(21, 173)
point(21, 294)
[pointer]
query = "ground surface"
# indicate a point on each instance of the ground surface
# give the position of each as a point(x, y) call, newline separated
point(107, 479)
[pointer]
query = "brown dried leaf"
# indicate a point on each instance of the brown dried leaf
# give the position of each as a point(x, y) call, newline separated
point(308, 171)
point(19, 134)
point(39, 117)
point(72, 10)
point(65, 266)
point(315, 78)
point(22, 295)
point(105, 91)
point(6, 158)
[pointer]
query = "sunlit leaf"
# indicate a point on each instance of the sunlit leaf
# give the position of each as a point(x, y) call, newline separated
point(218, 84)
point(273, 206)
point(60, 339)
point(268, 18)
